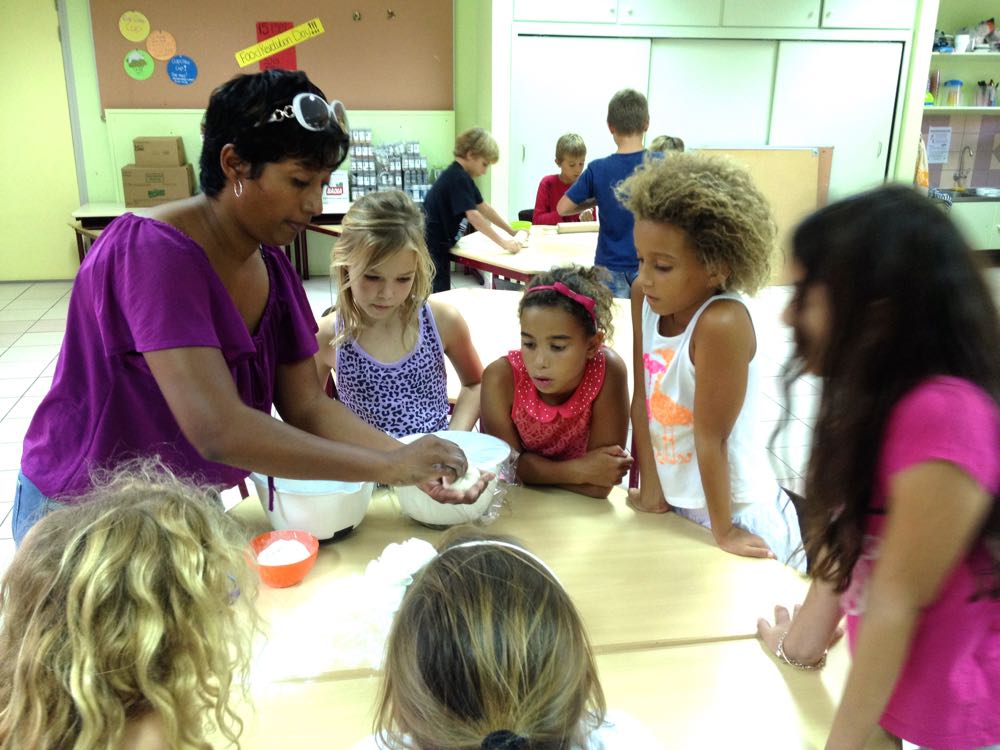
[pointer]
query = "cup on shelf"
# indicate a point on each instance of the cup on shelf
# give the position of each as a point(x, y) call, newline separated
point(952, 93)
point(962, 42)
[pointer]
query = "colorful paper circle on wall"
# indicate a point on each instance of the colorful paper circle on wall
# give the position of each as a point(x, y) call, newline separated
point(139, 64)
point(133, 25)
point(161, 45)
point(182, 70)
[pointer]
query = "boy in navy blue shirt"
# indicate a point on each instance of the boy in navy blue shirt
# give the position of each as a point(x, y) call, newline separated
point(628, 119)
point(454, 201)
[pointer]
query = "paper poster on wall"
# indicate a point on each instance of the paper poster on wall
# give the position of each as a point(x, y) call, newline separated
point(138, 64)
point(161, 45)
point(182, 70)
point(938, 143)
point(284, 40)
point(286, 59)
point(133, 25)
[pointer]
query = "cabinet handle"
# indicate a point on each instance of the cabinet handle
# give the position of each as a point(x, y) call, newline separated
point(878, 150)
point(810, 14)
point(630, 11)
point(612, 10)
point(523, 152)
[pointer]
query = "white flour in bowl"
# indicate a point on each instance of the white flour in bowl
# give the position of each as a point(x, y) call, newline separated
point(283, 552)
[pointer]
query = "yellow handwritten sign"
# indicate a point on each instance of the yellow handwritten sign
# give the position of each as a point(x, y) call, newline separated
point(278, 42)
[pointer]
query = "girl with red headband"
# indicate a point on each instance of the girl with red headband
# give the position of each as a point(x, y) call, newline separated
point(562, 400)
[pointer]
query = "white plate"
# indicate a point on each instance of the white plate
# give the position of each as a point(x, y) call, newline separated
point(483, 451)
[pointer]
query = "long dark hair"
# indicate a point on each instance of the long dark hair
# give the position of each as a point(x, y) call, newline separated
point(238, 113)
point(907, 302)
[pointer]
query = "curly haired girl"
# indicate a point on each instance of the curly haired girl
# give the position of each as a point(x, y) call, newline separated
point(562, 400)
point(703, 233)
point(125, 620)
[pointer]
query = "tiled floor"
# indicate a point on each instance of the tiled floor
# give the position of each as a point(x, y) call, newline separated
point(33, 321)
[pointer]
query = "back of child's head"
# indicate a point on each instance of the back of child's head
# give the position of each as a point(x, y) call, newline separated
point(137, 601)
point(666, 143)
point(726, 219)
point(570, 145)
point(477, 143)
point(907, 301)
point(586, 282)
point(628, 112)
point(375, 228)
point(487, 646)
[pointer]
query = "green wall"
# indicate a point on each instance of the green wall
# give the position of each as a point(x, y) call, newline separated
point(38, 189)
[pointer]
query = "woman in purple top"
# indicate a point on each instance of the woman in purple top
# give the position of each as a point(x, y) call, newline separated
point(184, 328)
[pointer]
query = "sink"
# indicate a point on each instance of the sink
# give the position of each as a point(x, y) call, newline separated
point(983, 192)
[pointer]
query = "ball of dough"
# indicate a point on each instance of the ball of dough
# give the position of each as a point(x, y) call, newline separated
point(466, 482)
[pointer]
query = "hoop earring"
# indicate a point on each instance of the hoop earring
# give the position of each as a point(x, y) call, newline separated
point(238, 192)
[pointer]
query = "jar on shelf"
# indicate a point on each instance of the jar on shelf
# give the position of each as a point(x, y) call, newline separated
point(952, 96)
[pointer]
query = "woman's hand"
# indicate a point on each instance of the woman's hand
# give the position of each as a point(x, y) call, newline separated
point(442, 493)
point(646, 500)
point(771, 634)
point(605, 466)
point(427, 459)
point(741, 542)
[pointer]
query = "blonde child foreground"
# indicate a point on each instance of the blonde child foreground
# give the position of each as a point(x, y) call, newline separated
point(562, 400)
point(454, 202)
point(902, 506)
point(704, 234)
point(384, 340)
point(571, 155)
point(488, 651)
point(126, 621)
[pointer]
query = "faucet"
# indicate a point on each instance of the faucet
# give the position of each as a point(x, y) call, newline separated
point(962, 174)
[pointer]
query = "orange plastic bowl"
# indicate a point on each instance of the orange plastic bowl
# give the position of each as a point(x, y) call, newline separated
point(281, 576)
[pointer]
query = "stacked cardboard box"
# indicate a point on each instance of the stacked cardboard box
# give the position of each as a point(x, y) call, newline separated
point(160, 172)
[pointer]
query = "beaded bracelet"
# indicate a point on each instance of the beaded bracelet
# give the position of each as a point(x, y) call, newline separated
point(780, 653)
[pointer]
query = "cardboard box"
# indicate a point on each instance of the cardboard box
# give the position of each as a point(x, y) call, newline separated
point(159, 151)
point(149, 186)
point(336, 194)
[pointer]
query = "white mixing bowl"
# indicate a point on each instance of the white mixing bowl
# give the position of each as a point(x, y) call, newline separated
point(485, 452)
point(325, 508)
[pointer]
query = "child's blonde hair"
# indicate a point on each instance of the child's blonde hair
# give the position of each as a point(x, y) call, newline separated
point(725, 217)
point(570, 144)
point(375, 228)
point(628, 112)
point(666, 143)
point(477, 142)
point(585, 281)
point(487, 641)
point(136, 601)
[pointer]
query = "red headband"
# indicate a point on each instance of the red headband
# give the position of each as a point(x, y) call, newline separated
point(560, 288)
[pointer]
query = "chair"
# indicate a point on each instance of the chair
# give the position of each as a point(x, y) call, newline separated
point(526, 215)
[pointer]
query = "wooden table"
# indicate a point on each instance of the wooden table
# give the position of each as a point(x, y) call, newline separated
point(640, 581)
point(546, 248)
point(671, 617)
point(492, 318)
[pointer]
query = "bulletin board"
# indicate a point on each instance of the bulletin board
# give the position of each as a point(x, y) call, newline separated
point(795, 182)
point(370, 55)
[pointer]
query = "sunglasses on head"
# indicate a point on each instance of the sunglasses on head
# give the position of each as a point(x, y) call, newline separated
point(313, 113)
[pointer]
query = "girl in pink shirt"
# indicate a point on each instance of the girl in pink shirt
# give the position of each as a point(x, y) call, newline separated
point(901, 511)
point(562, 400)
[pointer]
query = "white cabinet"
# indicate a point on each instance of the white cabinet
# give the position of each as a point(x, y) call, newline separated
point(868, 14)
point(979, 222)
point(566, 11)
point(670, 12)
point(840, 94)
point(711, 92)
point(540, 112)
point(643, 12)
point(777, 13)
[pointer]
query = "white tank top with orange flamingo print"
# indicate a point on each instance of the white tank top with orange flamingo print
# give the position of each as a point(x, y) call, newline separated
point(670, 385)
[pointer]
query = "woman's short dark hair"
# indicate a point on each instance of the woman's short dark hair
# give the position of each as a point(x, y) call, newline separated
point(238, 113)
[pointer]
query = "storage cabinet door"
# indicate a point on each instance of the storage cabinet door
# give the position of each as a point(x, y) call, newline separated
point(541, 111)
point(979, 222)
point(566, 11)
point(839, 94)
point(781, 13)
point(711, 92)
point(868, 14)
point(670, 12)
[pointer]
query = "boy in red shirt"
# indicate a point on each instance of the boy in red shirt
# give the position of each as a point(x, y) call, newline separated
point(571, 154)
